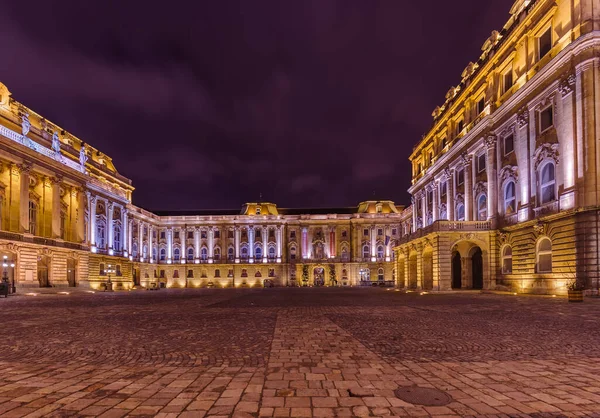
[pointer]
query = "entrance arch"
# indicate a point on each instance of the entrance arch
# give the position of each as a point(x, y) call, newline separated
point(428, 269)
point(72, 272)
point(477, 268)
point(412, 272)
point(319, 276)
point(456, 270)
point(43, 270)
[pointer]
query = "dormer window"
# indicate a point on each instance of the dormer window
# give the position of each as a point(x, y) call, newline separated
point(545, 43)
point(481, 105)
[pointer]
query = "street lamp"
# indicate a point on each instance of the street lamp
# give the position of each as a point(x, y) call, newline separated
point(109, 271)
point(6, 263)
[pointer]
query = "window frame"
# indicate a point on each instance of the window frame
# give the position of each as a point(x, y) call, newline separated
point(546, 31)
point(483, 210)
point(540, 253)
point(512, 136)
point(540, 112)
point(513, 199)
point(507, 257)
point(481, 157)
point(551, 183)
point(458, 217)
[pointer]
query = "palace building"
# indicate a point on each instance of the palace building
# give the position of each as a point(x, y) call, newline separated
point(505, 192)
point(67, 220)
point(505, 185)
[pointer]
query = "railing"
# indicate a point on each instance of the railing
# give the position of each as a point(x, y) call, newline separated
point(13, 236)
point(448, 226)
point(547, 209)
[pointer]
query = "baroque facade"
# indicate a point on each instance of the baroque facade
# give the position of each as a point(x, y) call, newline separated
point(67, 219)
point(505, 185)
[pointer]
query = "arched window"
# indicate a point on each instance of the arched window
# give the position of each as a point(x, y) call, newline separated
point(153, 253)
point(443, 213)
point(145, 251)
point(365, 251)
point(507, 260)
point(244, 253)
point(176, 254)
point(544, 256)
point(204, 254)
point(163, 254)
point(217, 253)
point(380, 252)
point(510, 201)
point(292, 253)
point(482, 208)
point(547, 183)
point(380, 275)
point(271, 252)
point(100, 235)
point(190, 254)
point(460, 212)
point(230, 253)
point(117, 238)
point(258, 253)
point(134, 250)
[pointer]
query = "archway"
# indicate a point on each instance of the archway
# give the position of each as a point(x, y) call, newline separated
point(319, 276)
point(412, 271)
point(456, 271)
point(428, 269)
point(43, 267)
point(477, 268)
point(72, 272)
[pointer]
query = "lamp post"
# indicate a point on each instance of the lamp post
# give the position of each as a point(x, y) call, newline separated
point(6, 263)
point(109, 271)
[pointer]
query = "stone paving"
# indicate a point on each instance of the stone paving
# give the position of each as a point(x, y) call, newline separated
point(296, 353)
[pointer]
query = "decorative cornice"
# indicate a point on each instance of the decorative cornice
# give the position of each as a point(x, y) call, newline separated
point(523, 118)
point(566, 85)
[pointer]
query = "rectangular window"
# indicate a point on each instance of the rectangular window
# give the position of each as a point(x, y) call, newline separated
point(244, 273)
point(230, 273)
point(175, 274)
point(460, 176)
point(217, 233)
point(430, 158)
point(480, 163)
point(394, 231)
point(176, 235)
point(507, 81)
point(443, 190)
point(481, 105)
point(444, 142)
point(380, 232)
point(546, 119)
point(230, 233)
point(344, 234)
point(366, 232)
point(217, 273)
point(190, 274)
point(545, 43)
point(271, 272)
point(162, 274)
point(102, 271)
point(509, 144)
point(203, 234)
point(419, 168)
point(162, 235)
point(460, 126)
point(190, 234)
point(292, 234)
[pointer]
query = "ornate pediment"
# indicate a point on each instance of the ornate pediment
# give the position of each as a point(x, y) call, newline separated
point(567, 85)
point(544, 152)
point(480, 187)
point(523, 118)
point(509, 172)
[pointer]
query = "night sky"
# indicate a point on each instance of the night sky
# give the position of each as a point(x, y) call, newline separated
point(207, 104)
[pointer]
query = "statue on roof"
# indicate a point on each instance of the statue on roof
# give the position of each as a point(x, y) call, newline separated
point(56, 145)
point(25, 124)
point(83, 157)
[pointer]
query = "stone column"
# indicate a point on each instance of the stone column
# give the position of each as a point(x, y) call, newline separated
point(141, 241)
point(125, 233)
point(109, 226)
point(278, 237)
point(450, 195)
point(265, 243)
point(492, 179)
point(468, 173)
point(211, 244)
point(373, 243)
point(415, 215)
point(419, 267)
point(332, 246)
point(424, 207)
point(406, 255)
point(304, 243)
point(150, 244)
point(435, 204)
point(236, 235)
point(80, 228)
point(56, 206)
point(251, 244)
point(169, 245)
point(92, 221)
point(130, 235)
point(197, 244)
point(24, 198)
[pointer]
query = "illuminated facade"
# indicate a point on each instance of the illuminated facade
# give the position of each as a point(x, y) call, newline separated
point(66, 219)
point(505, 187)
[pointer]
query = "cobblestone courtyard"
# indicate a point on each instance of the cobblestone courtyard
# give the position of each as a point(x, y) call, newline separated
point(296, 353)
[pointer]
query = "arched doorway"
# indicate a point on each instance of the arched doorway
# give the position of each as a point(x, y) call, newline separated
point(477, 268)
point(43, 266)
point(136, 277)
point(72, 272)
point(456, 271)
point(428, 269)
point(412, 271)
point(319, 276)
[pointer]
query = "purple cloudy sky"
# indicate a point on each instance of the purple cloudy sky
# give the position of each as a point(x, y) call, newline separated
point(206, 104)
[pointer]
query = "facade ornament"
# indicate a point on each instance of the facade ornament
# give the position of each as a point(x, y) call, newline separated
point(479, 188)
point(469, 71)
point(447, 174)
point(540, 228)
point(56, 146)
point(544, 152)
point(523, 118)
point(509, 172)
point(566, 85)
point(459, 199)
point(25, 124)
point(83, 157)
point(503, 238)
point(466, 158)
point(490, 141)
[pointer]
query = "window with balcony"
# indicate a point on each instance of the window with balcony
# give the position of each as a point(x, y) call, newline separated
point(545, 43)
point(258, 253)
point(507, 260)
point(544, 256)
point(509, 144)
point(547, 183)
point(481, 162)
point(117, 238)
point(510, 201)
point(482, 208)
point(546, 119)
point(100, 234)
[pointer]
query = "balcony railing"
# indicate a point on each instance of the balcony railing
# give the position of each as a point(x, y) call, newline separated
point(13, 236)
point(448, 226)
point(547, 209)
